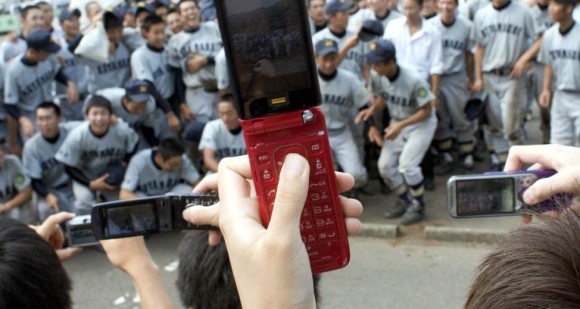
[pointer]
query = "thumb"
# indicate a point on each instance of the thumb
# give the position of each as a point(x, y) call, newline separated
point(290, 196)
point(104, 177)
point(564, 181)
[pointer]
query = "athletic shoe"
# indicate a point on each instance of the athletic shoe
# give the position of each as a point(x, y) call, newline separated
point(367, 190)
point(429, 184)
point(468, 162)
point(444, 168)
point(413, 213)
point(398, 210)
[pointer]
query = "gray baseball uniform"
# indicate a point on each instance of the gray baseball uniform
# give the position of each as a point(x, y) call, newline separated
point(201, 94)
point(385, 20)
point(108, 75)
point(504, 34)
point(77, 73)
point(152, 65)
point(133, 39)
point(457, 40)
point(217, 137)
point(10, 50)
point(144, 176)
point(356, 18)
point(400, 158)
point(221, 70)
point(354, 58)
point(562, 53)
point(38, 159)
point(340, 95)
point(13, 179)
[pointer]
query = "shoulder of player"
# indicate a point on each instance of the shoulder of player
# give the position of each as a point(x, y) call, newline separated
point(15, 65)
point(141, 157)
point(79, 131)
point(348, 76)
point(32, 142)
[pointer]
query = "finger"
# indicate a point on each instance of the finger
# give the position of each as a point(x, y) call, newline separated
point(214, 238)
point(345, 181)
point(67, 253)
point(207, 184)
point(564, 181)
point(544, 154)
point(203, 215)
point(526, 219)
point(105, 176)
point(290, 195)
point(51, 223)
point(233, 173)
point(351, 208)
point(353, 225)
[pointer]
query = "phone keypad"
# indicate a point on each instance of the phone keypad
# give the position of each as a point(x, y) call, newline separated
point(318, 220)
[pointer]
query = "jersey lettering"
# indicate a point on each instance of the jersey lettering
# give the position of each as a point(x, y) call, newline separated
point(402, 101)
point(194, 48)
point(37, 83)
point(158, 73)
point(565, 54)
point(501, 27)
point(156, 185)
point(334, 99)
point(113, 66)
point(109, 152)
point(458, 45)
point(49, 164)
point(230, 152)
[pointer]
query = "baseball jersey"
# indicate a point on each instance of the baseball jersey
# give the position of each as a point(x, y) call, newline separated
point(9, 50)
point(473, 6)
point(457, 39)
point(221, 70)
point(541, 18)
point(13, 179)
point(385, 20)
point(108, 75)
point(504, 34)
point(404, 95)
point(339, 96)
point(205, 41)
point(217, 137)
point(91, 154)
point(356, 18)
point(152, 65)
point(115, 96)
point(38, 157)
point(26, 85)
point(132, 38)
point(145, 176)
point(562, 53)
point(73, 70)
point(353, 60)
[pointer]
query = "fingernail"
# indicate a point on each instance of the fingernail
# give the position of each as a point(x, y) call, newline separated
point(294, 164)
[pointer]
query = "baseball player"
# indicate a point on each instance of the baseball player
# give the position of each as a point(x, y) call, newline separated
point(135, 105)
point(457, 40)
point(174, 23)
point(116, 71)
point(357, 15)
point(341, 92)
point(560, 54)
point(94, 154)
point(149, 63)
point(158, 171)
point(193, 51)
point(31, 17)
point(381, 12)
point(408, 136)
point(15, 190)
point(28, 80)
point(49, 180)
point(502, 32)
point(132, 36)
point(316, 17)
point(222, 137)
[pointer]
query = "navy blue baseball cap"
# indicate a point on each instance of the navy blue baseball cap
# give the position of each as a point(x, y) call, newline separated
point(370, 30)
point(381, 51)
point(137, 90)
point(334, 6)
point(116, 173)
point(325, 47)
point(142, 6)
point(67, 13)
point(40, 39)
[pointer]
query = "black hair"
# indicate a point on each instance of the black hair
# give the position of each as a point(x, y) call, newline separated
point(172, 10)
point(204, 276)
point(111, 21)
point(419, 2)
point(170, 147)
point(99, 101)
point(24, 11)
point(50, 105)
point(151, 20)
point(31, 275)
point(228, 98)
point(183, 1)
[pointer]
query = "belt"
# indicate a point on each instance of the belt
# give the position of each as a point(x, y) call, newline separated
point(501, 71)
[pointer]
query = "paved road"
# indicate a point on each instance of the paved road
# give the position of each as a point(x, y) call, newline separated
point(382, 274)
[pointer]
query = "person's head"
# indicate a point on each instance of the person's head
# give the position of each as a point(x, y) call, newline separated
point(92, 9)
point(338, 13)
point(536, 266)
point(429, 8)
point(412, 9)
point(113, 27)
point(561, 10)
point(31, 18)
point(30, 271)
point(136, 96)
point(174, 22)
point(316, 10)
point(99, 112)
point(48, 117)
point(48, 14)
point(543, 2)
point(227, 112)
point(169, 155)
point(69, 22)
point(379, 6)
point(448, 8)
point(160, 10)
point(190, 14)
point(153, 29)
point(382, 57)
point(327, 56)
point(40, 45)
point(141, 11)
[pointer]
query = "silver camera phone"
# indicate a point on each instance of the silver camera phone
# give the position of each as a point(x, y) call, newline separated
point(79, 232)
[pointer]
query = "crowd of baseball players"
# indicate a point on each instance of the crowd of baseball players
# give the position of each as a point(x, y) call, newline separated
point(410, 89)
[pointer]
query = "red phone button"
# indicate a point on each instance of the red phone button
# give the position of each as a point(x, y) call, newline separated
point(263, 158)
point(281, 152)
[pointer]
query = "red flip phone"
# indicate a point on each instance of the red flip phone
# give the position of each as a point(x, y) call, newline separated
point(271, 63)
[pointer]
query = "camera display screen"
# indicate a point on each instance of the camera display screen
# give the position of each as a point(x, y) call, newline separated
point(81, 235)
point(129, 220)
point(485, 196)
point(272, 67)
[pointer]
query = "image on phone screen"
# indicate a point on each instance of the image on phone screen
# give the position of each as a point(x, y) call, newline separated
point(488, 196)
point(128, 220)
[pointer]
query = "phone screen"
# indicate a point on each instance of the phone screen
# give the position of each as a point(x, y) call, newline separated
point(130, 220)
point(273, 65)
point(485, 196)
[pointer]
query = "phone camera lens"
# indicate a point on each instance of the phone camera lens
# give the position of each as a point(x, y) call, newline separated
point(307, 116)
